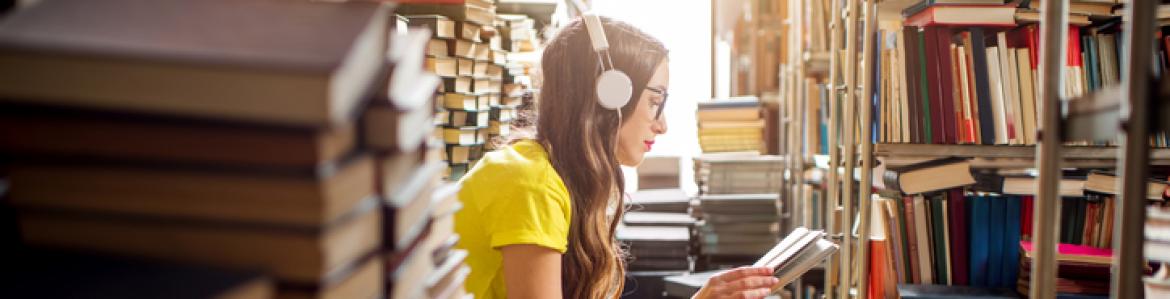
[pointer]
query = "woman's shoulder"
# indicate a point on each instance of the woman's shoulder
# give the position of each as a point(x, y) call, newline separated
point(524, 163)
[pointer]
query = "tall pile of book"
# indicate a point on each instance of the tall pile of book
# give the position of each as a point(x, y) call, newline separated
point(520, 65)
point(282, 149)
point(461, 51)
point(1158, 250)
point(736, 173)
point(965, 72)
point(737, 228)
point(731, 125)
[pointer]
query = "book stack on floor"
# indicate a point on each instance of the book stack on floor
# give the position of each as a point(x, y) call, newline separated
point(520, 65)
point(129, 134)
point(660, 201)
point(737, 228)
point(965, 71)
point(51, 274)
point(659, 172)
point(1158, 250)
point(518, 33)
point(461, 53)
point(738, 173)
point(731, 125)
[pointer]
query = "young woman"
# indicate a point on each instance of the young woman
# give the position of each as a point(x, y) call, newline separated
point(539, 216)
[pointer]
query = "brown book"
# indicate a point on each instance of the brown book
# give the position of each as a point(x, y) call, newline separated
point(468, 118)
point(445, 67)
point(387, 128)
point(457, 12)
point(461, 48)
point(929, 175)
point(437, 48)
point(466, 102)
point(366, 281)
point(201, 194)
point(440, 26)
point(466, 66)
point(50, 274)
point(298, 255)
point(406, 195)
point(468, 31)
point(114, 56)
point(457, 85)
point(118, 136)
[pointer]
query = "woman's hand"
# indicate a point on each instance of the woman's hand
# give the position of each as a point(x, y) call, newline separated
point(740, 283)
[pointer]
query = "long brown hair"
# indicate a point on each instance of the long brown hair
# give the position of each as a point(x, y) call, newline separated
point(581, 136)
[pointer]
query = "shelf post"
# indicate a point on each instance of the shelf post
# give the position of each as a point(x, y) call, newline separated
point(1132, 166)
point(850, 155)
point(1053, 35)
point(832, 202)
point(866, 148)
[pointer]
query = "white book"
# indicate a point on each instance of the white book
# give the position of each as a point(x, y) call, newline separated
point(800, 251)
point(999, 118)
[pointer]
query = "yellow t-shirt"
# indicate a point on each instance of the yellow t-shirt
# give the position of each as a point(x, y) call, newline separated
point(511, 196)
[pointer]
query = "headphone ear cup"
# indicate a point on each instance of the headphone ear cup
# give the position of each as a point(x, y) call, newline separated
point(614, 89)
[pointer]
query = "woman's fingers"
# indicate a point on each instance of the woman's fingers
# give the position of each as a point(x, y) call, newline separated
point(741, 273)
point(749, 294)
point(754, 282)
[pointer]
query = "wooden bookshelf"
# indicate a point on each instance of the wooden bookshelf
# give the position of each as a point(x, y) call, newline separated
point(1159, 156)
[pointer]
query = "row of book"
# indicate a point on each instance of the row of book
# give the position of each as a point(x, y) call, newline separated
point(135, 147)
point(466, 49)
point(965, 72)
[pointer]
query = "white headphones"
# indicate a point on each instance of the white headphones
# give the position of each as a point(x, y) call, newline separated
point(614, 87)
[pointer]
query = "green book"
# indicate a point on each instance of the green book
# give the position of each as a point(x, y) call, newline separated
point(928, 138)
point(938, 239)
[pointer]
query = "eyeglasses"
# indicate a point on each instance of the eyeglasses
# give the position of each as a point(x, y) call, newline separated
point(660, 92)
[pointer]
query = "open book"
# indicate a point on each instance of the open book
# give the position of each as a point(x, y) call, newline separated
point(795, 254)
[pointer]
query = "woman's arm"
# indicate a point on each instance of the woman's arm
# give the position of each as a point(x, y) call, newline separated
point(531, 271)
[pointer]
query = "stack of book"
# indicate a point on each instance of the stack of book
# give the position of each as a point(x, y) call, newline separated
point(737, 228)
point(965, 71)
point(659, 172)
point(1081, 270)
point(131, 134)
point(658, 247)
point(518, 32)
point(731, 125)
point(51, 274)
point(461, 53)
point(736, 173)
point(660, 200)
point(1158, 250)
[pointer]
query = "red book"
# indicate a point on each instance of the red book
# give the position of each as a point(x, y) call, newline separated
point(943, 71)
point(964, 15)
point(1026, 218)
point(934, 85)
point(1033, 44)
point(957, 210)
point(912, 242)
point(1074, 46)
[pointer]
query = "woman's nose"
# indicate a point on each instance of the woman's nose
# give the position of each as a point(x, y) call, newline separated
point(659, 126)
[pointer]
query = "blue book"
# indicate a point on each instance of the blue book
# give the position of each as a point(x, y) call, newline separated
point(1011, 244)
point(978, 233)
point(995, 241)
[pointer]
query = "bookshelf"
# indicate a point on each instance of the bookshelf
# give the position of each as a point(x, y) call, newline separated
point(1102, 114)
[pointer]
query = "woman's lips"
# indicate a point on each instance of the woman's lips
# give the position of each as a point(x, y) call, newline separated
point(649, 144)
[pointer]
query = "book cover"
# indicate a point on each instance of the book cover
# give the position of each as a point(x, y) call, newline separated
point(957, 213)
point(995, 240)
point(912, 250)
point(938, 237)
point(979, 208)
point(1011, 256)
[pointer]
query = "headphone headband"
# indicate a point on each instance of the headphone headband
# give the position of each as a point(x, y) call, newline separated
point(614, 87)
